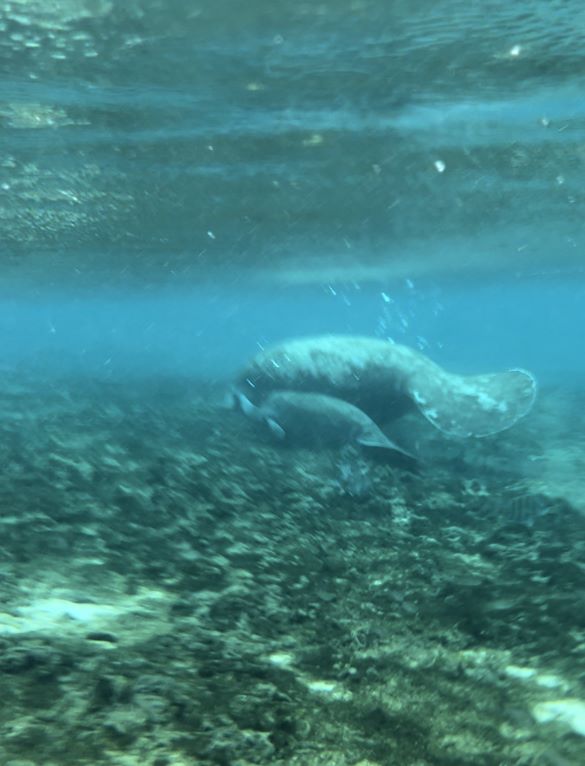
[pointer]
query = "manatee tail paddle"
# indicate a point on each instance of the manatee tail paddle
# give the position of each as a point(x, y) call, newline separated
point(475, 405)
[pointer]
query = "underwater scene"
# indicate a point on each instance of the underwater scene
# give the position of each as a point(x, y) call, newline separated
point(292, 383)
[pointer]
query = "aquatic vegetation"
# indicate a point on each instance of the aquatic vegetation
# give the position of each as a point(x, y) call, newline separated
point(183, 592)
point(354, 476)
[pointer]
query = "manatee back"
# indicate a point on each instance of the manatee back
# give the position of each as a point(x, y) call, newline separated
point(312, 418)
point(372, 374)
point(324, 420)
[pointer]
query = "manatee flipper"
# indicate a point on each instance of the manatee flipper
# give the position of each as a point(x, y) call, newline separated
point(260, 414)
point(474, 405)
point(250, 410)
point(276, 429)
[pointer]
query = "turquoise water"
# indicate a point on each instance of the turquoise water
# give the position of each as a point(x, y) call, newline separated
point(208, 332)
point(159, 148)
point(183, 187)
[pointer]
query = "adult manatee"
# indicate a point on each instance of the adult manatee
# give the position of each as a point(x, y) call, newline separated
point(384, 380)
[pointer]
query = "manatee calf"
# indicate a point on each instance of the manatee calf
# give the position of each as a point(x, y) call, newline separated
point(307, 418)
point(385, 380)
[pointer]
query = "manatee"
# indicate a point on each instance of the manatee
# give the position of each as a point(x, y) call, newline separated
point(385, 380)
point(308, 418)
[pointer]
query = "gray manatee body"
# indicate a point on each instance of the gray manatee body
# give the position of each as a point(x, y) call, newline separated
point(384, 380)
point(307, 418)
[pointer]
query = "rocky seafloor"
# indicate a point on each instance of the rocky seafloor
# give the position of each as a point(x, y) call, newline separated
point(176, 589)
